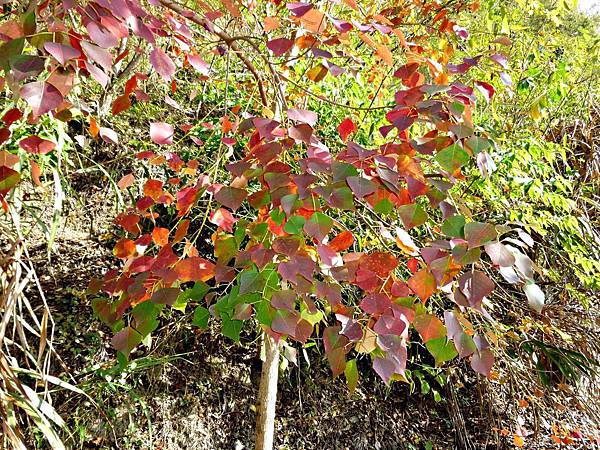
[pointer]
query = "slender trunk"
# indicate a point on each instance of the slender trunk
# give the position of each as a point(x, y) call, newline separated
point(267, 395)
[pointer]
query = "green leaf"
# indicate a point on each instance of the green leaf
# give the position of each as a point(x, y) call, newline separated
point(294, 225)
point(342, 170)
point(412, 215)
point(145, 315)
point(264, 312)
point(478, 144)
point(351, 373)
point(442, 350)
point(454, 226)
point(231, 328)
point(478, 234)
point(384, 207)
point(452, 158)
point(201, 316)
point(225, 249)
point(277, 216)
point(8, 178)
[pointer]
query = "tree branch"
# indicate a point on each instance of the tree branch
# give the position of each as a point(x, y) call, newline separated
point(229, 40)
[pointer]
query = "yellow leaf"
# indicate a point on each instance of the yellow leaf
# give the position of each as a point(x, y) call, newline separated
point(518, 441)
point(317, 73)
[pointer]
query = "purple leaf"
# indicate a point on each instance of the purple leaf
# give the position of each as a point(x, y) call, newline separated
point(199, 64)
point(97, 54)
point(97, 74)
point(162, 64)
point(109, 136)
point(41, 96)
point(102, 35)
point(280, 46)
point(302, 115)
point(161, 133)
point(500, 59)
point(62, 53)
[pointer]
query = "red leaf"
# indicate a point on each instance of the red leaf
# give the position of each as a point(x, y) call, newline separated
point(162, 64)
point(131, 85)
point(223, 218)
point(12, 116)
point(4, 135)
point(346, 128)
point(41, 96)
point(280, 46)
point(161, 133)
point(342, 241)
point(37, 145)
point(486, 89)
point(423, 284)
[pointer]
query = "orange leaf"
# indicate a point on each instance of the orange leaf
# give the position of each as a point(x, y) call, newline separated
point(194, 269)
point(153, 189)
point(314, 21)
point(342, 241)
point(429, 327)
point(124, 248)
point(271, 23)
point(35, 172)
point(384, 53)
point(182, 230)
point(126, 181)
point(423, 284)
point(94, 129)
point(160, 236)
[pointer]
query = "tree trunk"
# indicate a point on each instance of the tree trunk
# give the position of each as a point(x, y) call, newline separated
point(267, 395)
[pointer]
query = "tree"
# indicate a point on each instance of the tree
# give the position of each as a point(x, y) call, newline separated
point(310, 236)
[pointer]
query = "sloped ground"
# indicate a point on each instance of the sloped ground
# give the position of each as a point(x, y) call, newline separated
point(203, 397)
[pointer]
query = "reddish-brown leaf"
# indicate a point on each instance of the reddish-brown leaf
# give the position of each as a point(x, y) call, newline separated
point(37, 145)
point(429, 327)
